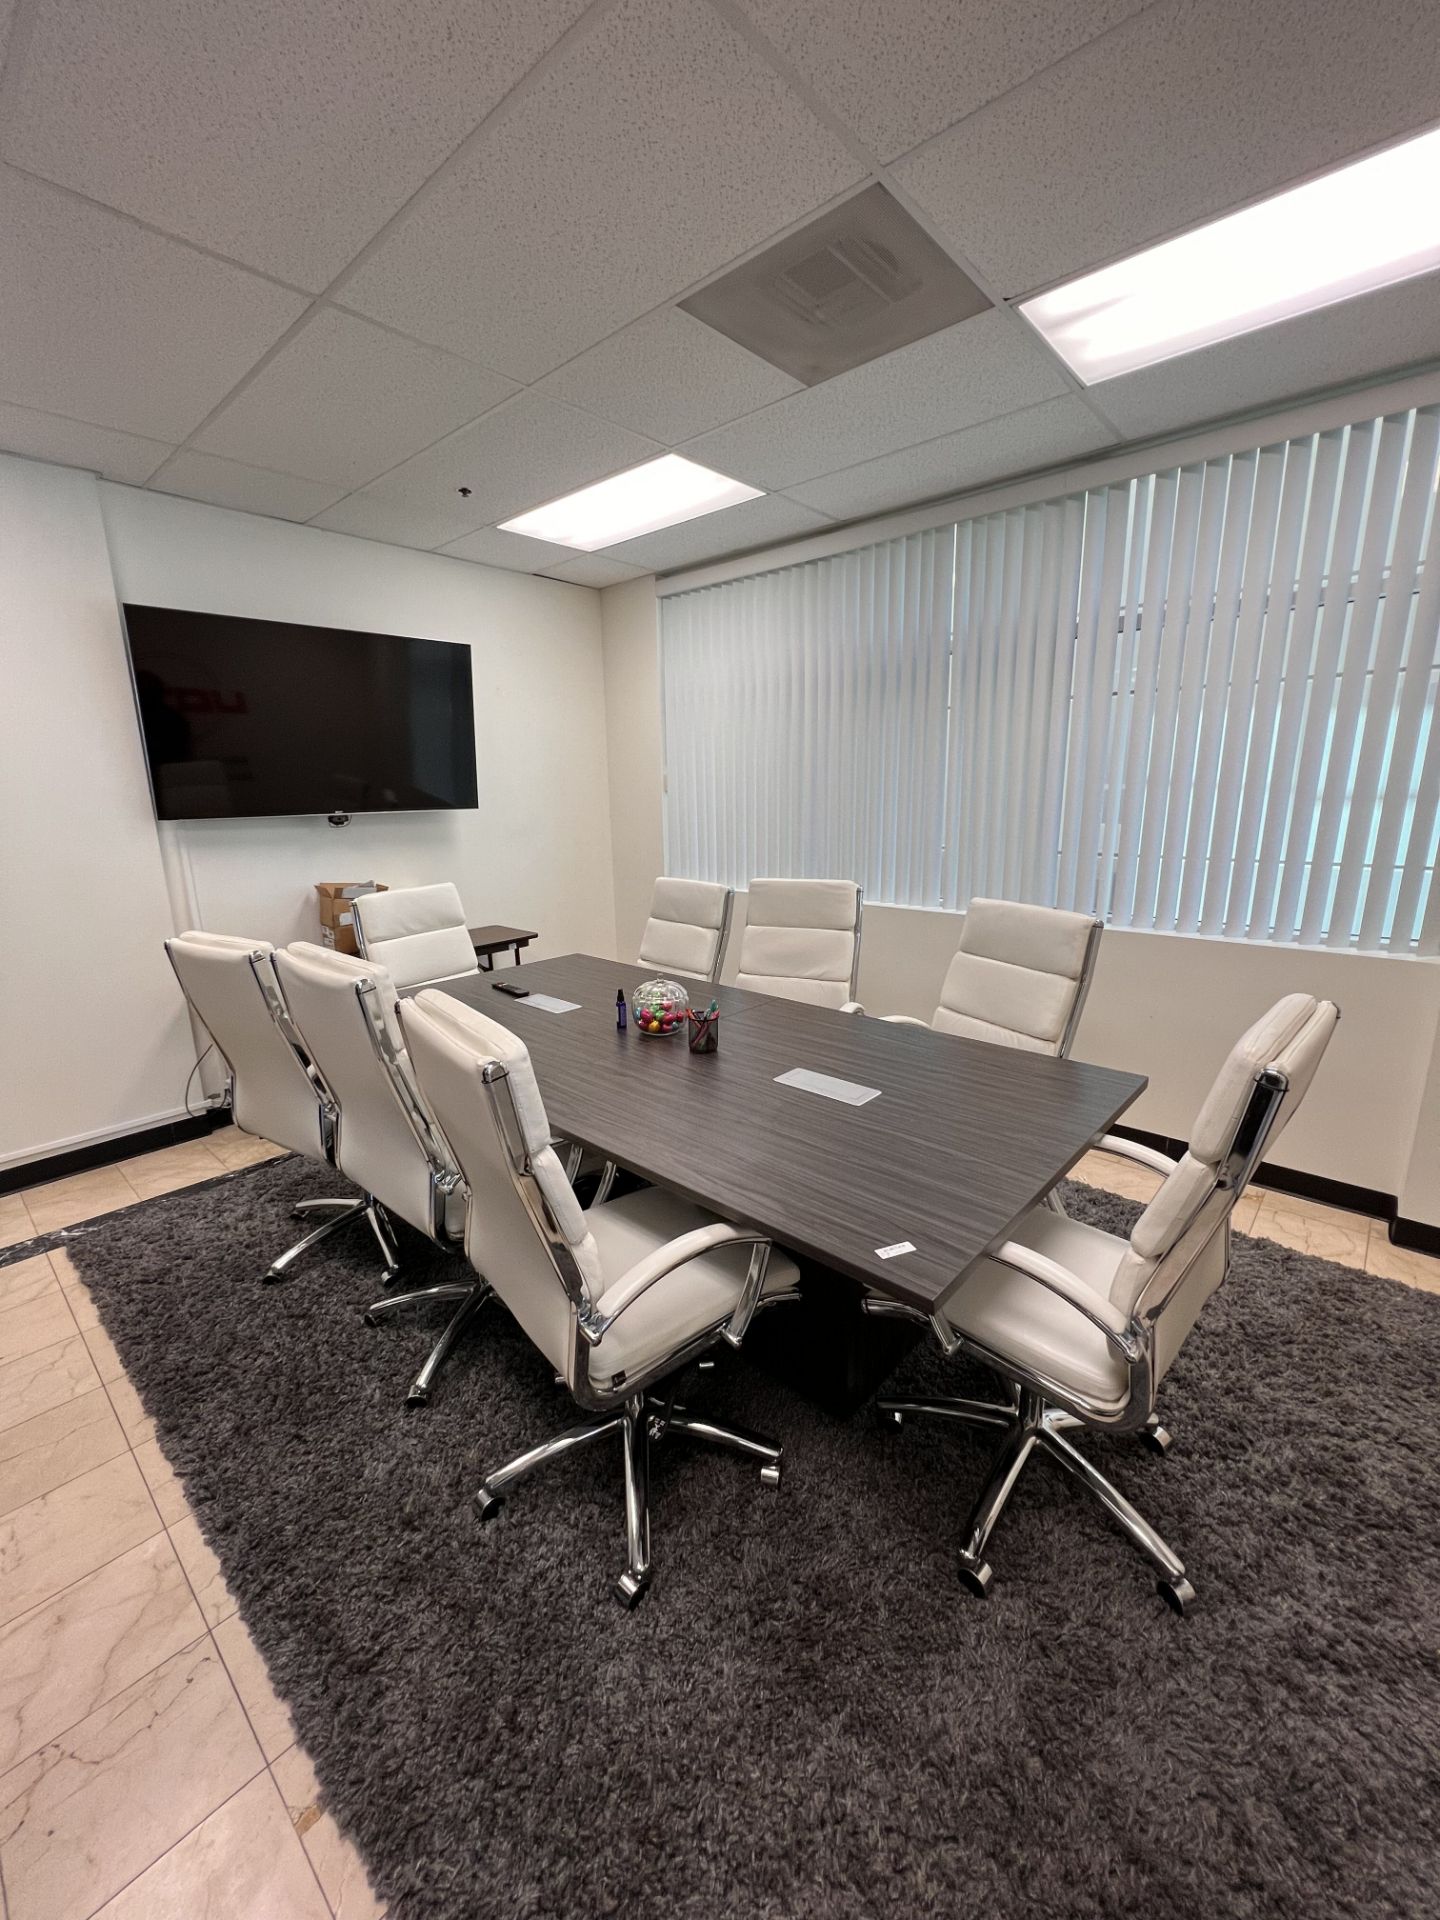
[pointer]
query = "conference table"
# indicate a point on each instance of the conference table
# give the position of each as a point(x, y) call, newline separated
point(899, 1195)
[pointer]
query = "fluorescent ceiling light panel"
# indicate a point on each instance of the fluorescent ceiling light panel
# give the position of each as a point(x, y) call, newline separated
point(1364, 226)
point(662, 493)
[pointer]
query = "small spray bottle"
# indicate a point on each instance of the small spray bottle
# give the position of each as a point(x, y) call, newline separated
point(621, 1011)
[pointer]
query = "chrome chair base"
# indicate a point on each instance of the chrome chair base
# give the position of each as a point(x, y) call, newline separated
point(339, 1213)
point(1026, 1423)
point(644, 1420)
point(471, 1296)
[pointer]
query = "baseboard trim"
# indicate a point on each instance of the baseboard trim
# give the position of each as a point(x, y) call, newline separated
point(104, 1153)
point(1419, 1235)
point(1305, 1186)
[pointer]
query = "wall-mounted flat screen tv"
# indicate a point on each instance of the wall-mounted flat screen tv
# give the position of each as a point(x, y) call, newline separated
point(247, 717)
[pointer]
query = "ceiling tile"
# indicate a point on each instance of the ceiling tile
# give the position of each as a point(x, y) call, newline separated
point(1183, 113)
point(669, 376)
point(515, 551)
point(754, 523)
point(400, 523)
point(982, 367)
point(103, 321)
point(1056, 430)
point(527, 452)
point(281, 132)
point(595, 570)
point(74, 443)
point(226, 483)
point(1350, 341)
point(344, 400)
point(648, 153)
point(900, 72)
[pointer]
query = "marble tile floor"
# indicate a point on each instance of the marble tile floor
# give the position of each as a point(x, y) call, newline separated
point(148, 1770)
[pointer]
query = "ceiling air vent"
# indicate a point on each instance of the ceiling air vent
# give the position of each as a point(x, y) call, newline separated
point(860, 281)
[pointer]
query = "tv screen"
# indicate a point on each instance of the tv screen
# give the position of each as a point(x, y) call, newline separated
point(247, 717)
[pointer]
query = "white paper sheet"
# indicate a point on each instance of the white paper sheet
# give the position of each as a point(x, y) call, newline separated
point(827, 1085)
point(547, 1003)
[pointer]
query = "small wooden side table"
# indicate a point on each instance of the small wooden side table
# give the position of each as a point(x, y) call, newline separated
point(488, 941)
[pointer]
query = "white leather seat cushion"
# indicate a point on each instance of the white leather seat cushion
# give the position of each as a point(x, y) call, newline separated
point(692, 903)
point(803, 903)
point(969, 1028)
point(1049, 939)
point(1261, 1046)
point(683, 931)
point(673, 947)
point(797, 953)
point(1018, 1319)
point(1019, 998)
point(697, 1296)
point(418, 933)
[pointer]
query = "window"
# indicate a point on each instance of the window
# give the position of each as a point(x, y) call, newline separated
point(1202, 701)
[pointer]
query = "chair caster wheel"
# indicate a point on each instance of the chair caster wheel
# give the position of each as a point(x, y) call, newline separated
point(975, 1580)
point(418, 1397)
point(271, 1279)
point(389, 1276)
point(1157, 1439)
point(1178, 1595)
point(369, 1320)
point(488, 1504)
point(630, 1590)
point(770, 1473)
point(890, 1417)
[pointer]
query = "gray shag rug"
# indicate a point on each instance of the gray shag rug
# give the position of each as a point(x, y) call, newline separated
point(806, 1719)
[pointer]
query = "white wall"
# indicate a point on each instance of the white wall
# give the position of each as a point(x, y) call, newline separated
point(631, 639)
point(537, 851)
point(1162, 1005)
point(94, 1037)
point(96, 1042)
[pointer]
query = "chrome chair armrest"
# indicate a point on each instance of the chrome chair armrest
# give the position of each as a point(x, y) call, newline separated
point(903, 1020)
point(1117, 1327)
point(596, 1321)
point(852, 1006)
point(883, 1308)
point(1133, 1150)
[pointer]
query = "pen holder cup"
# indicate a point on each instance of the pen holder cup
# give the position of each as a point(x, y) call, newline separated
point(703, 1032)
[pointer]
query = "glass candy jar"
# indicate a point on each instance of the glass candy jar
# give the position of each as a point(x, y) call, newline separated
point(659, 1006)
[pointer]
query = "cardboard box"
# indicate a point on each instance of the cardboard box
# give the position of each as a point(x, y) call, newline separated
point(337, 913)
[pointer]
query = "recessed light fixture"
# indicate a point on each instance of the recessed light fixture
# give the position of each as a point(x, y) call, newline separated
point(661, 493)
point(1362, 227)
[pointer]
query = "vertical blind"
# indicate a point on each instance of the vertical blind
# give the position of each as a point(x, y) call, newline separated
point(1202, 701)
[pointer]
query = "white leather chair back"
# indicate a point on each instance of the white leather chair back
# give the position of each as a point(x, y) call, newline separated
point(416, 933)
point(232, 986)
point(802, 940)
point(685, 933)
point(479, 1082)
point(1020, 976)
point(1177, 1252)
point(376, 1143)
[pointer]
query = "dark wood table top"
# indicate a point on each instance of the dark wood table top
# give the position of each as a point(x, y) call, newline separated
point(963, 1139)
point(494, 938)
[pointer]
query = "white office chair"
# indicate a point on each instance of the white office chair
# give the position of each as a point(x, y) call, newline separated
point(1086, 1325)
point(1019, 978)
point(686, 931)
point(618, 1298)
point(386, 1139)
point(417, 934)
point(275, 1091)
point(802, 940)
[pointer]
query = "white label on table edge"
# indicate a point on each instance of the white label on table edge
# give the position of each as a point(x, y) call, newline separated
point(825, 1084)
point(547, 1003)
point(900, 1246)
